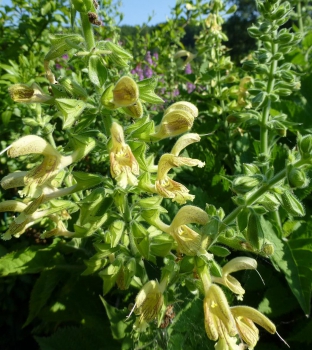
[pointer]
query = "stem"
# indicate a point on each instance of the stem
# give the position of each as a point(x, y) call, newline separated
point(87, 31)
point(264, 132)
point(299, 12)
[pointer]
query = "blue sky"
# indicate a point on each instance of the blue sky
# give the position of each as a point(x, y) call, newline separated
point(137, 11)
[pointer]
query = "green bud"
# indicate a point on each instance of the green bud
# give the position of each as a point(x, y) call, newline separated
point(265, 27)
point(258, 100)
point(255, 232)
point(297, 178)
point(278, 56)
point(250, 169)
point(249, 65)
point(305, 146)
point(268, 249)
point(244, 184)
point(269, 202)
point(254, 32)
point(61, 44)
point(292, 204)
point(266, 37)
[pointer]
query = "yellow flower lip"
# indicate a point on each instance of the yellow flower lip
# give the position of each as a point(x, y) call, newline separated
point(188, 240)
point(149, 301)
point(236, 264)
point(125, 92)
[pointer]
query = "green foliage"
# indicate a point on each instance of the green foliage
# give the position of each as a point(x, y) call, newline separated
point(106, 246)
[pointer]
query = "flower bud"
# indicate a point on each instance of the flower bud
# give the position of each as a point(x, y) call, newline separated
point(292, 204)
point(305, 146)
point(244, 184)
point(297, 178)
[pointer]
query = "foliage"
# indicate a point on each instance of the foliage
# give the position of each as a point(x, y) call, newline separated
point(99, 232)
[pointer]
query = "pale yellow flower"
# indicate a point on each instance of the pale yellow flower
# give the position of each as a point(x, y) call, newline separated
point(177, 119)
point(164, 185)
point(236, 264)
point(123, 165)
point(38, 180)
point(188, 240)
point(245, 319)
point(28, 94)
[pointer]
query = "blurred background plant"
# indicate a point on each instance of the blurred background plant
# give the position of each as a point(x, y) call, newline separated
point(214, 54)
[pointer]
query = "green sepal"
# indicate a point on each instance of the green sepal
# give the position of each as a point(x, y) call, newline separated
point(85, 180)
point(141, 239)
point(292, 204)
point(61, 44)
point(153, 202)
point(70, 109)
point(110, 274)
point(219, 251)
point(94, 264)
point(97, 70)
point(81, 145)
point(116, 230)
point(93, 212)
point(73, 88)
point(215, 268)
point(146, 91)
point(59, 91)
point(161, 245)
point(139, 149)
point(187, 264)
point(107, 98)
point(255, 232)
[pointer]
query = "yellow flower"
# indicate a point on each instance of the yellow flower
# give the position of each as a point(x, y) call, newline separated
point(25, 94)
point(177, 119)
point(188, 240)
point(123, 165)
point(148, 303)
point(218, 314)
point(125, 92)
point(38, 179)
point(236, 264)
point(245, 318)
point(164, 185)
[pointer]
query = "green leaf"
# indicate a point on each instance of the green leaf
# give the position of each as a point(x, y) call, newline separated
point(97, 71)
point(117, 319)
point(41, 292)
point(296, 271)
point(219, 251)
point(31, 260)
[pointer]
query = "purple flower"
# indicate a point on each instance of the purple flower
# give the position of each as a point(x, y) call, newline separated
point(188, 69)
point(190, 87)
point(175, 92)
point(65, 57)
point(148, 72)
point(148, 58)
